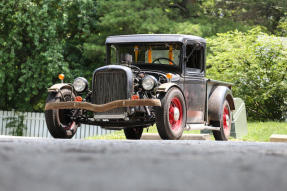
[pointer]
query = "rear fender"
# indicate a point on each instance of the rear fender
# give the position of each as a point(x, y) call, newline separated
point(216, 100)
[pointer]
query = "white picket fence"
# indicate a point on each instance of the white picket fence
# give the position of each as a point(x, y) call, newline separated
point(36, 126)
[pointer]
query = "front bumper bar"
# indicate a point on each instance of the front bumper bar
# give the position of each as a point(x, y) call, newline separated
point(102, 107)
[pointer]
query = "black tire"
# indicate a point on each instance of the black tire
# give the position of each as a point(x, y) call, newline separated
point(171, 126)
point(58, 123)
point(224, 123)
point(133, 132)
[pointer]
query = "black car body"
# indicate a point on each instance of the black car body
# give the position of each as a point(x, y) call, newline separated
point(148, 79)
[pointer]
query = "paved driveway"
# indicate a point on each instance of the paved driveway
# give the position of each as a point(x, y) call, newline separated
point(49, 164)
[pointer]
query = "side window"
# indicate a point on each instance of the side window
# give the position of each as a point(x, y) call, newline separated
point(113, 55)
point(194, 58)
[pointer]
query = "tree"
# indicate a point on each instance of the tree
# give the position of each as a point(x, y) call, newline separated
point(40, 39)
point(238, 13)
point(282, 27)
point(138, 16)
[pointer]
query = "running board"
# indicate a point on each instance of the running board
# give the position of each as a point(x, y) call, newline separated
point(190, 127)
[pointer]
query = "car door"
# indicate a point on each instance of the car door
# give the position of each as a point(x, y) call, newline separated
point(194, 82)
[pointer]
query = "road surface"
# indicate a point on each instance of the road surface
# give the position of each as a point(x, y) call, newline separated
point(74, 165)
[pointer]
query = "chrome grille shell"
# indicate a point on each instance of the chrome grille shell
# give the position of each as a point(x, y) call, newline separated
point(110, 83)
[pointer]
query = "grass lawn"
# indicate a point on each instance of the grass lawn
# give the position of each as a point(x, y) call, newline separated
point(120, 134)
point(261, 131)
point(257, 131)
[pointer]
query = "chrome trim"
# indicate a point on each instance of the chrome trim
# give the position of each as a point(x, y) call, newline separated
point(190, 127)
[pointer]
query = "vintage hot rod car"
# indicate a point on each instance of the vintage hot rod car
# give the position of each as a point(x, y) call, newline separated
point(149, 79)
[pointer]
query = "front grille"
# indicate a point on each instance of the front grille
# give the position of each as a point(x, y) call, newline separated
point(110, 85)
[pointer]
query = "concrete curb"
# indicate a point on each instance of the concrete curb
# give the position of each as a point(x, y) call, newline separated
point(278, 138)
point(155, 136)
point(19, 137)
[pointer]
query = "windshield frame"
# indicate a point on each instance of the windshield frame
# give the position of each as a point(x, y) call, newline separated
point(149, 66)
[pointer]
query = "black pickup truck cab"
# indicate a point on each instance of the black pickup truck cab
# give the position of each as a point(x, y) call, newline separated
point(148, 79)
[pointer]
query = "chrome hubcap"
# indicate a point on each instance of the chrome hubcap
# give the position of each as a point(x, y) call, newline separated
point(227, 119)
point(176, 113)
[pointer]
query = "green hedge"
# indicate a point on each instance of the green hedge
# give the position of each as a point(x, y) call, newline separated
point(257, 65)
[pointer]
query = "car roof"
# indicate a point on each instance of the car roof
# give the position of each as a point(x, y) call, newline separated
point(144, 38)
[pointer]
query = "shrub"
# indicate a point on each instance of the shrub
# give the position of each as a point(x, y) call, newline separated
point(256, 64)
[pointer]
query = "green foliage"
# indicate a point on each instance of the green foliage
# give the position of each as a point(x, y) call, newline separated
point(79, 37)
point(138, 16)
point(265, 13)
point(40, 39)
point(221, 16)
point(256, 64)
point(282, 27)
point(207, 27)
point(16, 124)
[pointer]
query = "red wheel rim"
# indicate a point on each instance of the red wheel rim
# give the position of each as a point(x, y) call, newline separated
point(175, 114)
point(226, 121)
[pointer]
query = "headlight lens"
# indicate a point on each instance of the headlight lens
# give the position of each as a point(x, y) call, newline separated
point(148, 82)
point(80, 84)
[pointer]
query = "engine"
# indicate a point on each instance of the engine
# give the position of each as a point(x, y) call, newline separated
point(145, 83)
point(117, 82)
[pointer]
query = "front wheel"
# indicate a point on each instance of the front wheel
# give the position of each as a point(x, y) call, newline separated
point(171, 116)
point(59, 122)
point(224, 123)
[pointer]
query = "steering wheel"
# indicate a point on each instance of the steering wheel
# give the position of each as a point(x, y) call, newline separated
point(163, 58)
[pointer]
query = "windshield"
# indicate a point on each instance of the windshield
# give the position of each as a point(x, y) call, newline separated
point(159, 54)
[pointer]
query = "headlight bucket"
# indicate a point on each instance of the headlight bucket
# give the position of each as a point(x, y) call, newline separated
point(80, 84)
point(149, 82)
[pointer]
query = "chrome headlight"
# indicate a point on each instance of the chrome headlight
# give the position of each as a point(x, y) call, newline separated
point(149, 82)
point(80, 84)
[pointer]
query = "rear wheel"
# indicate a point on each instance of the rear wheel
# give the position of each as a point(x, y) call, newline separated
point(59, 122)
point(224, 123)
point(133, 132)
point(171, 116)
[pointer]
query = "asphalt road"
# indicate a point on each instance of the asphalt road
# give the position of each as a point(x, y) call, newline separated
point(48, 164)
